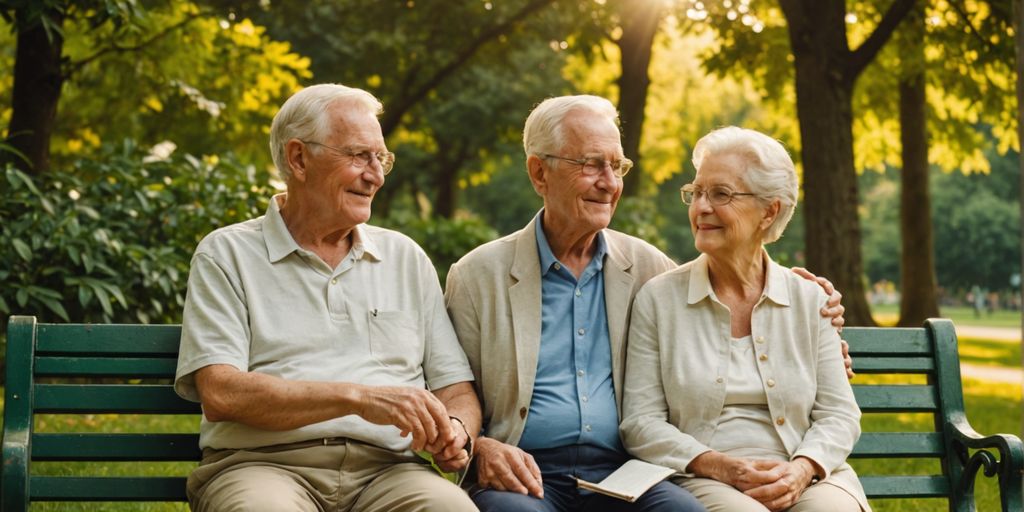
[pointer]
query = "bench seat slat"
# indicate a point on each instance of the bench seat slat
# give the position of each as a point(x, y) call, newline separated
point(111, 398)
point(908, 398)
point(870, 364)
point(140, 367)
point(48, 488)
point(108, 339)
point(888, 445)
point(115, 447)
point(893, 486)
point(866, 341)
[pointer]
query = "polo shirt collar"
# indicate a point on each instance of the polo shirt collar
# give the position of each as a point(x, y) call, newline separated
point(280, 242)
point(775, 287)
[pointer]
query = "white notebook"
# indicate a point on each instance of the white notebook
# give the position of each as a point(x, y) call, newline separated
point(630, 481)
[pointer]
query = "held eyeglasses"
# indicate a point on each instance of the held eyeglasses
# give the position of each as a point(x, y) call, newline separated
point(718, 195)
point(594, 166)
point(360, 159)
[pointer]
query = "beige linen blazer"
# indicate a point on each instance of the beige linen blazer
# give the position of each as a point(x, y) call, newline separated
point(678, 360)
point(493, 295)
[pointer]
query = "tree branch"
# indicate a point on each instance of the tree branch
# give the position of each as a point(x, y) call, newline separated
point(398, 108)
point(75, 67)
point(962, 13)
point(863, 55)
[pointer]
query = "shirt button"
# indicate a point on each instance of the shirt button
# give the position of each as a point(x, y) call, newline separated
point(582, 331)
point(558, 267)
point(584, 399)
point(760, 339)
point(780, 421)
point(719, 380)
point(764, 357)
point(579, 373)
point(334, 281)
point(771, 383)
point(522, 412)
point(587, 428)
point(578, 292)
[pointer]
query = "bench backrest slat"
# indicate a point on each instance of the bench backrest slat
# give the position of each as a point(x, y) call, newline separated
point(111, 398)
point(876, 364)
point(115, 447)
point(901, 398)
point(108, 339)
point(130, 367)
point(935, 486)
point(887, 445)
point(51, 488)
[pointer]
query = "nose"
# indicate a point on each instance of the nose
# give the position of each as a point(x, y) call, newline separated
point(374, 172)
point(701, 202)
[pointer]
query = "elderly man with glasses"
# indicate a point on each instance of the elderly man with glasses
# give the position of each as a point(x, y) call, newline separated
point(319, 346)
point(543, 315)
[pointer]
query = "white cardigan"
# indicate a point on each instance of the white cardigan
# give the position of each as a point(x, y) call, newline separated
point(677, 367)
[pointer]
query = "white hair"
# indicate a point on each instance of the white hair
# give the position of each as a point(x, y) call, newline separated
point(304, 117)
point(769, 171)
point(544, 132)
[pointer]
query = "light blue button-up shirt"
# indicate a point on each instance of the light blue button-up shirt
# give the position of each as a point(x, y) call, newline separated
point(573, 395)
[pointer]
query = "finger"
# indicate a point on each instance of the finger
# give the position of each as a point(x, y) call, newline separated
point(538, 488)
point(845, 347)
point(804, 273)
point(524, 476)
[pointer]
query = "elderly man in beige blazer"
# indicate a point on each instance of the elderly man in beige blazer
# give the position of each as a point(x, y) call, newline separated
point(542, 315)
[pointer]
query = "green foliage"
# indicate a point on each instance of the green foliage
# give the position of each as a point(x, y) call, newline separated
point(111, 240)
point(444, 240)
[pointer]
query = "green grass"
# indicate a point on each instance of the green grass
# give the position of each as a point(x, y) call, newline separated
point(989, 352)
point(887, 314)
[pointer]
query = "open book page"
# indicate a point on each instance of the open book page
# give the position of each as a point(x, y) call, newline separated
point(630, 481)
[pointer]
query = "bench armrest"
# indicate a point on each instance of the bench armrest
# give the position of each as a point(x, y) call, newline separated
point(1007, 462)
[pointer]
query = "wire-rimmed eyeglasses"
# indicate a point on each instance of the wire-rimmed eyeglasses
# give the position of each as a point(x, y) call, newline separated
point(594, 165)
point(718, 195)
point(361, 159)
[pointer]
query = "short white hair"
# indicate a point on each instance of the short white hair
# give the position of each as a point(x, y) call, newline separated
point(769, 171)
point(304, 117)
point(544, 132)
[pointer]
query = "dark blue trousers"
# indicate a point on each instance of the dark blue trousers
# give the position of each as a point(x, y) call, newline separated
point(559, 468)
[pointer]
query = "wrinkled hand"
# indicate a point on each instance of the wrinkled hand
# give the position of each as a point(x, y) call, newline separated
point(452, 456)
point(414, 411)
point(847, 360)
point(504, 467)
point(832, 308)
point(791, 479)
point(742, 474)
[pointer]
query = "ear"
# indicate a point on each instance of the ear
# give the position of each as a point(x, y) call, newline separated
point(295, 156)
point(538, 174)
point(771, 213)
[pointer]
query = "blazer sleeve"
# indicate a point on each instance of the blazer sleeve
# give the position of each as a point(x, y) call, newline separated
point(835, 416)
point(647, 431)
point(462, 311)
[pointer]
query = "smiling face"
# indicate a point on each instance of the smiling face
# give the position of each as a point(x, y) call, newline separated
point(334, 183)
point(573, 201)
point(733, 228)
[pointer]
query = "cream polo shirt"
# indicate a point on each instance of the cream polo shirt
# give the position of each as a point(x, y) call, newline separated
point(677, 371)
point(260, 303)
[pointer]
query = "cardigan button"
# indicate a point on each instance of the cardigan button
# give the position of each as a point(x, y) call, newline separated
point(522, 412)
point(780, 421)
point(764, 357)
point(771, 383)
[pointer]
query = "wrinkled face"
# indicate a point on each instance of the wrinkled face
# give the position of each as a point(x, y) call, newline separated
point(573, 200)
point(734, 227)
point(336, 184)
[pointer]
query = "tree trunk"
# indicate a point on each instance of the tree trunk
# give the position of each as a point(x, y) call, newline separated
point(823, 93)
point(37, 87)
point(640, 20)
point(919, 299)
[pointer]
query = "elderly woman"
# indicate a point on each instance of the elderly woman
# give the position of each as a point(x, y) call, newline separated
point(732, 376)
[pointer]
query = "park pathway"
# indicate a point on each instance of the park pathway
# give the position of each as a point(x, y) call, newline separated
point(991, 373)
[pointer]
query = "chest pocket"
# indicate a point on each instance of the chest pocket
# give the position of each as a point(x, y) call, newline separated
point(395, 340)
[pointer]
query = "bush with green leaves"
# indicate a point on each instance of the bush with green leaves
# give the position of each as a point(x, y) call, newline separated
point(111, 239)
point(444, 240)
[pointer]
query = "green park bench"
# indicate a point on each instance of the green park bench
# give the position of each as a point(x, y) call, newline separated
point(89, 369)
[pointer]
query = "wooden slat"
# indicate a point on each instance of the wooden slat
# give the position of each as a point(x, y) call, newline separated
point(891, 486)
point(139, 367)
point(108, 339)
point(111, 398)
point(115, 447)
point(869, 364)
point(875, 341)
point(48, 488)
point(897, 444)
point(915, 398)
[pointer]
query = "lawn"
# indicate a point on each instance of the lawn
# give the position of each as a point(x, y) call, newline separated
point(991, 408)
point(887, 314)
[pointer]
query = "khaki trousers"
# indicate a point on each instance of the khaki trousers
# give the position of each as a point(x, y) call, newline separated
point(721, 497)
point(338, 477)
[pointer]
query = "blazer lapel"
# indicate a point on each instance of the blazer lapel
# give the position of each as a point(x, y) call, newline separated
point(525, 299)
point(618, 285)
